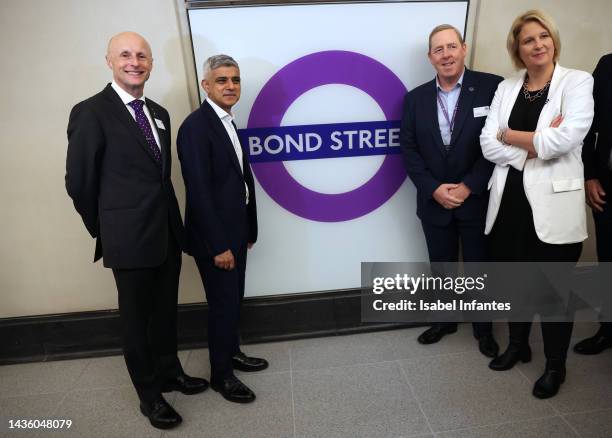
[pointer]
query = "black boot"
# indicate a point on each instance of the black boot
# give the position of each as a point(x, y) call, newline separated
point(511, 356)
point(550, 382)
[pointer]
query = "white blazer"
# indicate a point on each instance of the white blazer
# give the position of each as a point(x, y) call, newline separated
point(554, 181)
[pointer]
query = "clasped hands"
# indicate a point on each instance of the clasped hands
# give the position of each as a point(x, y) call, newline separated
point(450, 195)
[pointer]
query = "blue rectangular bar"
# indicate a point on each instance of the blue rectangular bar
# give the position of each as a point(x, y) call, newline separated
point(310, 142)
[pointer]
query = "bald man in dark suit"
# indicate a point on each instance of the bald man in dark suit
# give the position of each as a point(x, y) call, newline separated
point(118, 176)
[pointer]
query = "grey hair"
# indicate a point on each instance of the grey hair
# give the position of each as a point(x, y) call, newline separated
point(217, 61)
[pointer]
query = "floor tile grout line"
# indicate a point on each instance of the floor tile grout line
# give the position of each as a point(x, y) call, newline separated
point(421, 435)
point(263, 373)
point(414, 396)
point(407, 359)
point(441, 355)
point(546, 417)
point(353, 365)
point(30, 394)
point(291, 387)
point(102, 388)
point(57, 407)
point(572, 428)
point(518, 369)
point(589, 411)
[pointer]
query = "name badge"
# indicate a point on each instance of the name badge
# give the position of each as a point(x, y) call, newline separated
point(160, 124)
point(481, 111)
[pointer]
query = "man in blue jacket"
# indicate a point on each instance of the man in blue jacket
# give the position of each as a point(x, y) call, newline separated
point(439, 136)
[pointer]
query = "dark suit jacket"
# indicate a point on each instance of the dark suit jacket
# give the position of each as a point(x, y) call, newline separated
point(598, 142)
point(125, 198)
point(217, 217)
point(429, 164)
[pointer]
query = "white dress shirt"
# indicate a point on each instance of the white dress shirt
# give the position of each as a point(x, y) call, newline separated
point(227, 119)
point(126, 98)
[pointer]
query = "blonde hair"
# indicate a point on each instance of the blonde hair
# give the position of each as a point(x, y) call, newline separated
point(442, 27)
point(533, 15)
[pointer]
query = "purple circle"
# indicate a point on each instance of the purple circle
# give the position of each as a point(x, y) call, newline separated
point(300, 76)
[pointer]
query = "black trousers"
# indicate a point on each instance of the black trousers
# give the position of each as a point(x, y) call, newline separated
point(556, 335)
point(514, 239)
point(147, 309)
point(603, 235)
point(443, 246)
point(224, 293)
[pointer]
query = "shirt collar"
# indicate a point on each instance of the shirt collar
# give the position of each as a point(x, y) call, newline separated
point(124, 95)
point(223, 115)
point(457, 85)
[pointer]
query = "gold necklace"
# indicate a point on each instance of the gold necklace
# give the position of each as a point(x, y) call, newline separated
point(532, 97)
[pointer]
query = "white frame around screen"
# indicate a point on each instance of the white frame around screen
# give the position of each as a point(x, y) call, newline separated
point(182, 8)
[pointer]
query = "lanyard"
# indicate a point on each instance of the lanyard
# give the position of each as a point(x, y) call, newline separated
point(451, 122)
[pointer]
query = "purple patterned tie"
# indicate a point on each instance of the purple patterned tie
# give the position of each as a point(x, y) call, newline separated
point(145, 127)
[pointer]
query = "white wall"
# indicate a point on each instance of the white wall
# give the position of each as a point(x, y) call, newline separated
point(53, 56)
point(584, 26)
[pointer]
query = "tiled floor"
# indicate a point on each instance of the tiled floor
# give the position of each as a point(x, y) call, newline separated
point(380, 384)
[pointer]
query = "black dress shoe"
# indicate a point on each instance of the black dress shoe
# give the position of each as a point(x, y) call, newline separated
point(233, 390)
point(593, 345)
point(511, 356)
point(186, 384)
point(242, 362)
point(487, 345)
point(436, 332)
point(160, 414)
point(550, 382)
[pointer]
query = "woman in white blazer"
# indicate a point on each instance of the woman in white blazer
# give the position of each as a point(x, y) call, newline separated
point(533, 133)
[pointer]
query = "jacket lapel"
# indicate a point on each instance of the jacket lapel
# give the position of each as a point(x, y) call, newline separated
point(469, 88)
point(545, 117)
point(555, 80)
point(221, 134)
point(124, 116)
point(510, 100)
point(431, 103)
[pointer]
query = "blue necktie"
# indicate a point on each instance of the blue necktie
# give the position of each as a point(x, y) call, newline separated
point(145, 127)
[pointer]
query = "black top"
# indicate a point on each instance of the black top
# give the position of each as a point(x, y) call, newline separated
point(525, 114)
point(524, 117)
